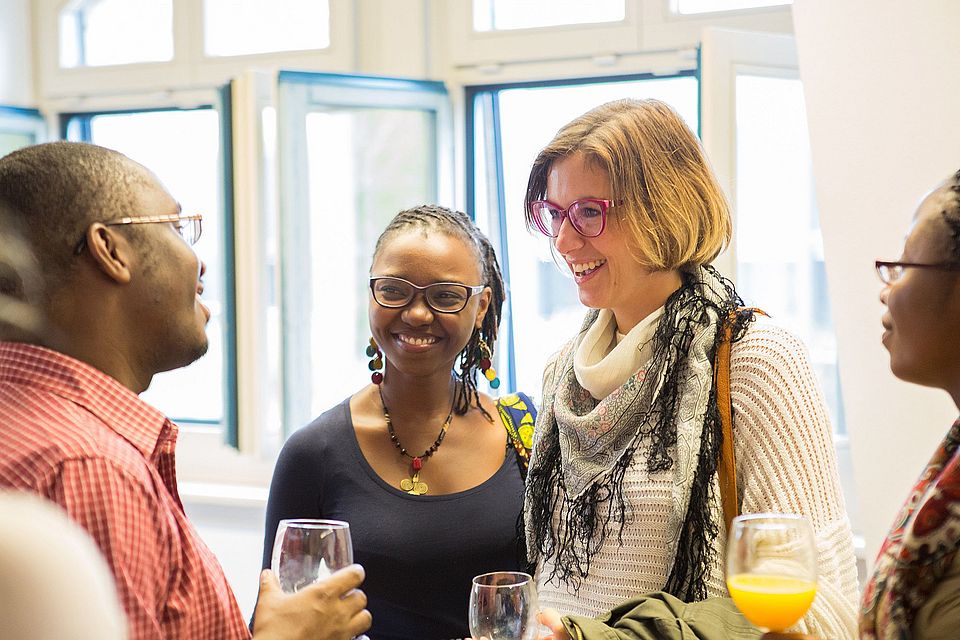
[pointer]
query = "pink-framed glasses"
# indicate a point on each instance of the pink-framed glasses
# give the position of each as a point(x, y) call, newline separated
point(588, 216)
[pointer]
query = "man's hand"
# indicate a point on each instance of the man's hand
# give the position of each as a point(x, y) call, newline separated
point(330, 609)
point(550, 618)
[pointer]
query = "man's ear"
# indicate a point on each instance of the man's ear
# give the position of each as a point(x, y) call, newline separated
point(110, 251)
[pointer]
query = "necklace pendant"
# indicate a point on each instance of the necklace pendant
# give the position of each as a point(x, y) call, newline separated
point(413, 485)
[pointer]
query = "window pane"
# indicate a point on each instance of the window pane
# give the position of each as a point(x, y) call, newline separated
point(779, 247)
point(105, 32)
point(493, 15)
point(356, 151)
point(530, 117)
point(709, 6)
point(364, 167)
point(239, 27)
point(19, 128)
point(11, 141)
point(182, 148)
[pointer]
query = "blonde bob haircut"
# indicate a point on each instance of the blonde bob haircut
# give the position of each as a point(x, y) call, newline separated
point(674, 212)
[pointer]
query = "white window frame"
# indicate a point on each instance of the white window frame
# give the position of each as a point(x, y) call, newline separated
point(190, 67)
point(649, 26)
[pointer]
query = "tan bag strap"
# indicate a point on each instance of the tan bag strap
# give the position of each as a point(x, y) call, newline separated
point(727, 465)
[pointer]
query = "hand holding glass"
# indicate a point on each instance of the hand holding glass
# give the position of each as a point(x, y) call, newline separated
point(772, 568)
point(503, 606)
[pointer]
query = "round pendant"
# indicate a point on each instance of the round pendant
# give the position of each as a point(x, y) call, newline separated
point(417, 488)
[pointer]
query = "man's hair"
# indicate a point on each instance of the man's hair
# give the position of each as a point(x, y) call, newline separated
point(674, 211)
point(55, 191)
point(457, 224)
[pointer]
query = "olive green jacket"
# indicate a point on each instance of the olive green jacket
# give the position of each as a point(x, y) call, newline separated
point(660, 616)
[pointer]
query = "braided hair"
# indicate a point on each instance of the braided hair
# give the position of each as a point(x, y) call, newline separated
point(429, 217)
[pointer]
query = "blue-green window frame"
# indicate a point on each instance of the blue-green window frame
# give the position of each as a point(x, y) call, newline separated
point(23, 120)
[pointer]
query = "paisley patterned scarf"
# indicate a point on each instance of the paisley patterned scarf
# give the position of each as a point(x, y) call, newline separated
point(584, 446)
point(919, 549)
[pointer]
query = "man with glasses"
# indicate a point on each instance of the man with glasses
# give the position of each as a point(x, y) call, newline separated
point(121, 303)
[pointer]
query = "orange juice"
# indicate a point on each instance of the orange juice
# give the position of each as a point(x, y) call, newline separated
point(770, 601)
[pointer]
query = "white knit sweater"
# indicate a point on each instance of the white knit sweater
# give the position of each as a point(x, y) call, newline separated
point(785, 464)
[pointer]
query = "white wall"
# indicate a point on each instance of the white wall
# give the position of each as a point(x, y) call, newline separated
point(16, 55)
point(883, 101)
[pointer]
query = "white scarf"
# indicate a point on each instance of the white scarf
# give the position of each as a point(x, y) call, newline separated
point(603, 360)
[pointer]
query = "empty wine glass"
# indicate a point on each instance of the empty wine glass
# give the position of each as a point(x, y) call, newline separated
point(503, 606)
point(307, 550)
point(772, 568)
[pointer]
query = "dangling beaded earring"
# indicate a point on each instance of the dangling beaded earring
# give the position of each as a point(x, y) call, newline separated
point(486, 366)
point(376, 363)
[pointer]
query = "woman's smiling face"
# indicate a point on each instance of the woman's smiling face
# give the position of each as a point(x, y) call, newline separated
point(607, 273)
point(416, 339)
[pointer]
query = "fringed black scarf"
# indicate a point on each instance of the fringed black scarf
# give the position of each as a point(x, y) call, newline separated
point(706, 298)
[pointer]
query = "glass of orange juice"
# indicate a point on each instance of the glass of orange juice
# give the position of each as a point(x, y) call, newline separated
point(772, 568)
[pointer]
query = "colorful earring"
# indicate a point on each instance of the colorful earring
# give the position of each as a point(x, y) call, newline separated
point(486, 366)
point(376, 362)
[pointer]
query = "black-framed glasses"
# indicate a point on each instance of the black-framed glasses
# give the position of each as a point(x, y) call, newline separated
point(189, 227)
point(442, 297)
point(890, 272)
point(587, 215)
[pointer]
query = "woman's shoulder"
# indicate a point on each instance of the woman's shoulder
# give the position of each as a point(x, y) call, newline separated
point(768, 340)
point(325, 428)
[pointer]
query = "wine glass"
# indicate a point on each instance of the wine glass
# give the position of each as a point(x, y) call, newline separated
point(307, 550)
point(503, 606)
point(772, 568)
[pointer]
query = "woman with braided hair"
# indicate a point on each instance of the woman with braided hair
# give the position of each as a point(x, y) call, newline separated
point(623, 496)
point(427, 470)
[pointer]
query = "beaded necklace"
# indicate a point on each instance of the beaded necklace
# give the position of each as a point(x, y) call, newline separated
point(413, 485)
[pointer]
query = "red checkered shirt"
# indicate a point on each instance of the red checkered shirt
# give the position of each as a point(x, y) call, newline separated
point(79, 438)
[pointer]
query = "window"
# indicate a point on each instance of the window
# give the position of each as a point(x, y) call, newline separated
point(494, 15)
point(510, 124)
point(356, 151)
point(182, 147)
point(19, 128)
point(779, 248)
point(710, 6)
point(240, 27)
point(108, 32)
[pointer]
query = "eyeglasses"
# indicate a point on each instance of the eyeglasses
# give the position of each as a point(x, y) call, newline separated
point(189, 227)
point(443, 297)
point(588, 216)
point(890, 272)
